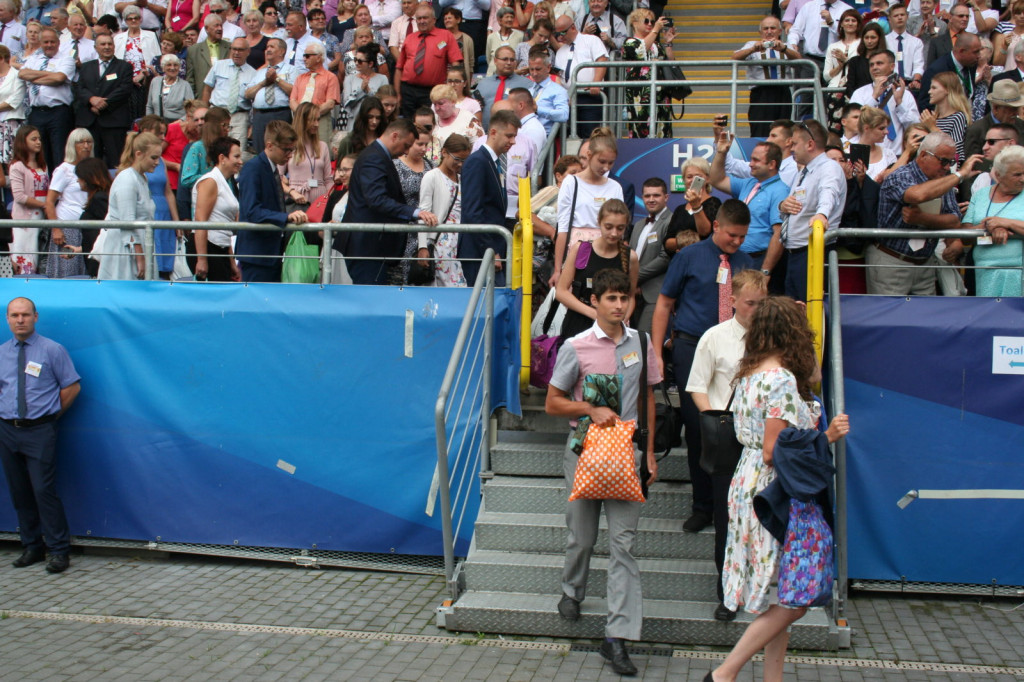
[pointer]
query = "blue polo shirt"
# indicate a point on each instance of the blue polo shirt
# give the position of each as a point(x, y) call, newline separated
point(764, 209)
point(691, 282)
point(50, 368)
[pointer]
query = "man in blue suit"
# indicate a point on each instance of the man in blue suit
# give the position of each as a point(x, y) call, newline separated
point(375, 196)
point(484, 198)
point(261, 201)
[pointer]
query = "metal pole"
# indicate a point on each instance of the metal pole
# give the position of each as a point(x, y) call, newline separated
point(732, 99)
point(326, 260)
point(838, 407)
point(652, 121)
point(148, 247)
point(485, 416)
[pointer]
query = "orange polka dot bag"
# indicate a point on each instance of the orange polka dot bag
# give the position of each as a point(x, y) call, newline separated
point(606, 469)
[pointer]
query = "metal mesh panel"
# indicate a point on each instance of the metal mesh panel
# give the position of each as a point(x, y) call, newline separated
point(908, 587)
point(313, 558)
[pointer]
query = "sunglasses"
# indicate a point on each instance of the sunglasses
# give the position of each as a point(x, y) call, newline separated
point(311, 54)
point(994, 141)
point(360, 61)
point(648, 21)
point(562, 34)
point(946, 163)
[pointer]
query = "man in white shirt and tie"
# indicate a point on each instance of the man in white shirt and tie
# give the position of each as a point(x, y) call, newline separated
point(12, 32)
point(49, 78)
point(909, 49)
point(269, 91)
point(225, 87)
point(77, 46)
point(817, 27)
point(601, 23)
point(768, 102)
point(891, 96)
point(576, 48)
point(298, 37)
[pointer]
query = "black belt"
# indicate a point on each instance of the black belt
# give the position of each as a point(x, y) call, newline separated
point(25, 423)
point(758, 254)
point(799, 249)
point(55, 106)
point(271, 111)
point(687, 337)
point(903, 257)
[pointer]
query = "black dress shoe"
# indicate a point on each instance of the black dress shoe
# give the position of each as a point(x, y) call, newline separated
point(569, 608)
point(698, 522)
point(58, 563)
point(709, 678)
point(615, 653)
point(722, 612)
point(29, 557)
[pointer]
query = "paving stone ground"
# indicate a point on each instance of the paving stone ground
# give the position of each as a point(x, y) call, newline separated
point(107, 619)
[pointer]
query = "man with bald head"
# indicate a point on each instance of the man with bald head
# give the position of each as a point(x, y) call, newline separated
point(75, 44)
point(224, 86)
point(963, 61)
point(573, 48)
point(201, 57)
point(48, 77)
point(498, 87)
point(101, 101)
point(423, 61)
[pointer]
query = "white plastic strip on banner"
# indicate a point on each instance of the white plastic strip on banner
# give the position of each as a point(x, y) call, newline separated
point(965, 494)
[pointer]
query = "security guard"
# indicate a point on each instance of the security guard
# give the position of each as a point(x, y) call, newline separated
point(38, 382)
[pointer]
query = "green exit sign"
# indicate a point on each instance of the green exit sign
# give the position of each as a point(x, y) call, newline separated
point(677, 183)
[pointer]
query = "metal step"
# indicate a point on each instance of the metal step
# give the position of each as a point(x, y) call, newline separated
point(534, 419)
point(672, 622)
point(513, 494)
point(691, 580)
point(518, 456)
point(546, 534)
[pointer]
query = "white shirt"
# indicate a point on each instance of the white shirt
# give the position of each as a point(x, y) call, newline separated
point(824, 191)
point(641, 240)
point(808, 25)
point(584, 49)
point(589, 200)
point(756, 71)
point(86, 50)
point(51, 95)
point(219, 78)
point(902, 115)
point(225, 207)
point(972, 26)
point(715, 362)
point(532, 129)
point(230, 33)
point(608, 23)
point(14, 37)
point(912, 55)
point(73, 198)
point(14, 91)
point(741, 169)
point(293, 57)
point(286, 72)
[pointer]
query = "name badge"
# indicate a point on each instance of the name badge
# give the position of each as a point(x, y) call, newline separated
point(899, 56)
point(599, 201)
point(441, 45)
point(590, 283)
point(799, 194)
point(631, 359)
point(33, 369)
point(175, 19)
point(723, 275)
point(312, 182)
point(652, 239)
point(111, 76)
point(985, 240)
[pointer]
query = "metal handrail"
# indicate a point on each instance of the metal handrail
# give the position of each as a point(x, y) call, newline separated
point(523, 276)
point(484, 286)
point(816, 285)
point(148, 244)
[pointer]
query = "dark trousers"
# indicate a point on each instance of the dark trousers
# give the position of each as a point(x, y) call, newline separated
point(796, 274)
point(260, 119)
point(219, 263)
point(108, 143)
point(682, 359)
point(54, 124)
point(252, 272)
point(588, 114)
point(720, 491)
point(29, 457)
point(477, 30)
point(768, 103)
point(413, 97)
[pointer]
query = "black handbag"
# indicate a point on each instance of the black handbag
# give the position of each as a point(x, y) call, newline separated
point(641, 433)
point(668, 425)
point(680, 90)
point(720, 449)
point(419, 274)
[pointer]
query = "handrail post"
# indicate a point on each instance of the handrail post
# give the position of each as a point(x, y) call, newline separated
point(653, 115)
point(326, 259)
point(148, 251)
point(816, 284)
point(732, 98)
point(485, 416)
point(838, 407)
point(526, 280)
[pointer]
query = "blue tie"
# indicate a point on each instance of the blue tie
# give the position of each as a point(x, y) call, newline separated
point(899, 55)
point(773, 71)
point(22, 402)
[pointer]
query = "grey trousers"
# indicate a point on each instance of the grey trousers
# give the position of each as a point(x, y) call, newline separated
point(625, 600)
point(900, 279)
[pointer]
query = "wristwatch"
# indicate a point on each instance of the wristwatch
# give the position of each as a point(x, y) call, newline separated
point(766, 272)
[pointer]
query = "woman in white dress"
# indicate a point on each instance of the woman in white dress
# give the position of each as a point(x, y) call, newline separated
point(215, 201)
point(65, 200)
point(440, 194)
point(130, 200)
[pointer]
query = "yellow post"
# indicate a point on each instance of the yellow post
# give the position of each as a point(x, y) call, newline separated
point(523, 277)
point(816, 284)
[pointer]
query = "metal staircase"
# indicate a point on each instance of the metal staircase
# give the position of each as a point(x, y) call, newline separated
point(510, 582)
point(711, 29)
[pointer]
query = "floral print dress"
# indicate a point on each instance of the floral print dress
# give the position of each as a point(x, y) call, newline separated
point(638, 100)
point(751, 552)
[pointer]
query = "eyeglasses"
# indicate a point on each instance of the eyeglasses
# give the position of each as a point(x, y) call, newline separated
point(270, 13)
point(216, 11)
point(456, 81)
point(994, 141)
point(287, 150)
point(360, 61)
point(946, 163)
point(504, 59)
point(311, 54)
point(561, 34)
point(239, 49)
point(133, 17)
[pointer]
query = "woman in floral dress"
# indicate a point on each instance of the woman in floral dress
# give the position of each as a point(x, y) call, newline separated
point(440, 194)
point(647, 44)
point(773, 391)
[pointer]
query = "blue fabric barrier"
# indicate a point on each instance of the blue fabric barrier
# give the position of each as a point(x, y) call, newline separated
point(927, 413)
point(263, 415)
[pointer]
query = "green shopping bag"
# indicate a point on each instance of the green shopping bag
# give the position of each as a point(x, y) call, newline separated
point(301, 261)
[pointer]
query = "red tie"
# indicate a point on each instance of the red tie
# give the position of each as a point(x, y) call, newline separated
point(408, 28)
point(421, 55)
point(500, 94)
point(724, 290)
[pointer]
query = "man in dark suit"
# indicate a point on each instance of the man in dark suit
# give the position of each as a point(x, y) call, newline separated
point(962, 61)
point(484, 199)
point(201, 56)
point(648, 240)
point(104, 86)
point(375, 196)
point(261, 201)
point(942, 44)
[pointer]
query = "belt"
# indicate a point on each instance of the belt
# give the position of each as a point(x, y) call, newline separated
point(686, 337)
point(899, 256)
point(274, 110)
point(55, 106)
point(25, 423)
point(799, 249)
point(758, 254)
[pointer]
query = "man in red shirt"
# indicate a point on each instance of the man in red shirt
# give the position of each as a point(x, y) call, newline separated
point(423, 61)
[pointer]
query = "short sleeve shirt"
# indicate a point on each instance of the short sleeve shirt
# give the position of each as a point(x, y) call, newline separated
point(48, 369)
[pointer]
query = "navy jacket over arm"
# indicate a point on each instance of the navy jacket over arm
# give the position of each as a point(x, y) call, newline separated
point(375, 196)
point(259, 202)
point(484, 202)
point(804, 471)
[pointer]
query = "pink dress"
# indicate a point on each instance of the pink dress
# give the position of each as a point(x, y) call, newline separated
point(26, 183)
point(181, 14)
point(317, 169)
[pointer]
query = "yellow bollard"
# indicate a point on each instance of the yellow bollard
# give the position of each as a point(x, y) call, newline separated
point(523, 277)
point(816, 285)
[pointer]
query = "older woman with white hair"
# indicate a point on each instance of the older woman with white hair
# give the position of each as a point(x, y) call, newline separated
point(65, 200)
point(138, 48)
point(998, 211)
point(167, 95)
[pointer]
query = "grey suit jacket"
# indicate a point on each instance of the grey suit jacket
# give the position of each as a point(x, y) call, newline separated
point(654, 260)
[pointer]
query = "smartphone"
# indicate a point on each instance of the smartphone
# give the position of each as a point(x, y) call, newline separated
point(860, 152)
point(668, 21)
point(698, 183)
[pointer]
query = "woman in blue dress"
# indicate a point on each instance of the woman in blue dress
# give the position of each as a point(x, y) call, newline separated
point(164, 241)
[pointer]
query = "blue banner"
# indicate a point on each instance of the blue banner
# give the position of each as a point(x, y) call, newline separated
point(262, 415)
point(936, 477)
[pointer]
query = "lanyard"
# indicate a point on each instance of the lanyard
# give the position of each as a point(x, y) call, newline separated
point(989, 207)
